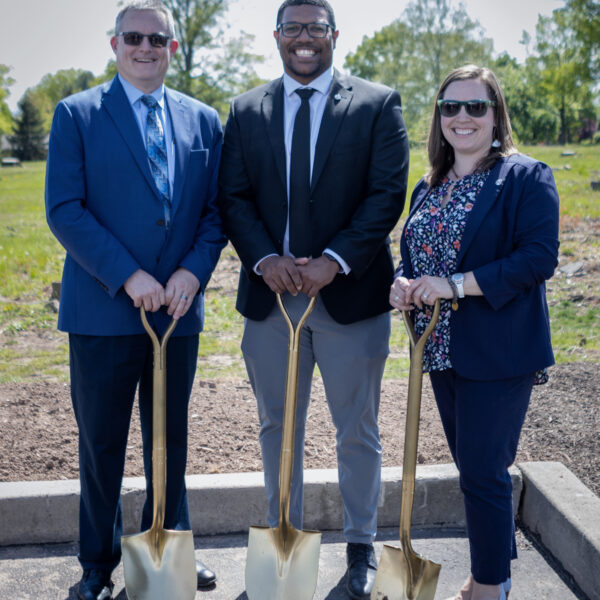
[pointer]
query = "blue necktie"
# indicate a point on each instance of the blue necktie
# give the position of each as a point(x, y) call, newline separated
point(157, 149)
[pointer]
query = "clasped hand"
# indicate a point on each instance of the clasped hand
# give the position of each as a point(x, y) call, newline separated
point(406, 293)
point(177, 295)
point(306, 275)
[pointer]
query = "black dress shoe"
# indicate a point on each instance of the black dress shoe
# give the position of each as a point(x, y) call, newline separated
point(362, 567)
point(205, 576)
point(95, 585)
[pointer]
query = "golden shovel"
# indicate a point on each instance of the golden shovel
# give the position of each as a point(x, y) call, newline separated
point(283, 562)
point(159, 563)
point(403, 574)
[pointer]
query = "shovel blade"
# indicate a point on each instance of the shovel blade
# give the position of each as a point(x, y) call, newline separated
point(156, 574)
point(277, 571)
point(401, 577)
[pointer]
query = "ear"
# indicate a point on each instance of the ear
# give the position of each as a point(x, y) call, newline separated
point(276, 36)
point(113, 43)
point(334, 37)
point(173, 45)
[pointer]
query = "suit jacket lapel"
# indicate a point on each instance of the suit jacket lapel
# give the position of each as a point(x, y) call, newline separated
point(181, 130)
point(486, 199)
point(338, 101)
point(272, 111)
point(117, 105)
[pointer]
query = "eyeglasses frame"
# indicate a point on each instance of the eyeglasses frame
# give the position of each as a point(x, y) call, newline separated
point(304, 26)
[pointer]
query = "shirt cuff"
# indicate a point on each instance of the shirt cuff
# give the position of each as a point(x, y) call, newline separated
point(343, 264)
point(256, 269)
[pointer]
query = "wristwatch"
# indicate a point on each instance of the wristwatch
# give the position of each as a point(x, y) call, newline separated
point(459, 279)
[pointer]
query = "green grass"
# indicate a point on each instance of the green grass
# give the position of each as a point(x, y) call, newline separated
point(31, 259)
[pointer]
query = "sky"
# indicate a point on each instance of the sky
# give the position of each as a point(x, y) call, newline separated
point(44, 36)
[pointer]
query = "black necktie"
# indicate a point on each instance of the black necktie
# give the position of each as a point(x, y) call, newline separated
point(300, 229)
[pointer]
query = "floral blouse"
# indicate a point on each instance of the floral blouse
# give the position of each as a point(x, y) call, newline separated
point(433, 236)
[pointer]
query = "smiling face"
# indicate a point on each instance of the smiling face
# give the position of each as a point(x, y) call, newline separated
point(305, 58)
point(469, 136)
point(143, 66)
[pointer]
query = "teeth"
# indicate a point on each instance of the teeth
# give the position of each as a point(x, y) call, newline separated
point(463, 131)
point(304, 52)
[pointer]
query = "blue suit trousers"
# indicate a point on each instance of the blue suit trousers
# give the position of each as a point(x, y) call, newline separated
point(482, 421)
point(105, 372)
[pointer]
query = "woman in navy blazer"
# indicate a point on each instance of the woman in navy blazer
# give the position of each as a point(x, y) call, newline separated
point(482, 235)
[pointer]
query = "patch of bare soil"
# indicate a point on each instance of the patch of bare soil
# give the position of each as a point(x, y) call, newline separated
point(39, 434)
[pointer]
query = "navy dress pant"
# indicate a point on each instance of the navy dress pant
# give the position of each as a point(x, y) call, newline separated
point(482, 421)
point(105, 372)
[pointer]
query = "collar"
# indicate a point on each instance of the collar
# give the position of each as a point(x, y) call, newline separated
point(134, 95)
point(322, 83)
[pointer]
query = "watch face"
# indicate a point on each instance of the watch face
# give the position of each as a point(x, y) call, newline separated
point(458, 278)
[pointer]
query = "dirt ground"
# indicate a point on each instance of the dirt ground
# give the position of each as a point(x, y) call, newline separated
point(39, 434)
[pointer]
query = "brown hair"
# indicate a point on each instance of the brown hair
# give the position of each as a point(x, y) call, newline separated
point(441, 153)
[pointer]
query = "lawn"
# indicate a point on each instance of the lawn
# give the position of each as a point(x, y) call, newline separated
point(31, 259)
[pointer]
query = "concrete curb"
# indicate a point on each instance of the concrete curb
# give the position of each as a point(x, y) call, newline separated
point(34, 512)
point(565, 515)
point(554, 505)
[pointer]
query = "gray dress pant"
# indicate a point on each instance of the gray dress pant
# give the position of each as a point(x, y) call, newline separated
point(351, 359)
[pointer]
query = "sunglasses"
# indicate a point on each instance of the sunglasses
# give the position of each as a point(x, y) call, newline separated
point(474, 108)
point(294, 30)
point(135, 38)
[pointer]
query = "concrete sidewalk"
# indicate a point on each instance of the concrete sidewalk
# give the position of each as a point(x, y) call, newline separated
point(52, 571)
point(554, 506)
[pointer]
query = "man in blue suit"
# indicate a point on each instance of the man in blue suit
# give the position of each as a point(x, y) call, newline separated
point(130, 193)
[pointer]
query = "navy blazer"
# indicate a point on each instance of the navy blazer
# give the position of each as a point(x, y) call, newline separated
point(510, 242)
point(103, 206)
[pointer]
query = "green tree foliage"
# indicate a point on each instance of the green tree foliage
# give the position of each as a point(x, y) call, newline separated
point(28, 141)
point(566, 86)
point(583, 18)
point(205, 66)
point(6, 120)
point(415, 52)
point(54, 87)
point(533, 120)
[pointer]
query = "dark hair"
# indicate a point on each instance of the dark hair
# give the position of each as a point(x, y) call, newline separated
point(322, 3)
point(441, 153)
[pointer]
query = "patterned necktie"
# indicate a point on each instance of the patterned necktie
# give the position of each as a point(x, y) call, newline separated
point(156, 147)
point(300, 228)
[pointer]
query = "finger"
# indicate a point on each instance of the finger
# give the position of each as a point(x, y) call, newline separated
point(182, 307)
point(289, 284)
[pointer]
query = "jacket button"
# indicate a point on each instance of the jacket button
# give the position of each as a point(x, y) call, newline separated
point(160, 222)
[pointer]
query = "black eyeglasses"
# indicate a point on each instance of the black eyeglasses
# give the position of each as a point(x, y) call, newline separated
point(474, 108)
point(135, 38)
point(294, 30)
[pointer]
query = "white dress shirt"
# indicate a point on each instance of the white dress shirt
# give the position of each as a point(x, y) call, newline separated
point(291, 104)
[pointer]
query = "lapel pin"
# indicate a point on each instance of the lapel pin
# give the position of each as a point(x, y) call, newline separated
point(337, 97)
point(498, 181)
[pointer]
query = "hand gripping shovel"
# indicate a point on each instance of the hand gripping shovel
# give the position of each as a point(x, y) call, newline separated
point(159, 563)
point(403, 574)
point(283, 562)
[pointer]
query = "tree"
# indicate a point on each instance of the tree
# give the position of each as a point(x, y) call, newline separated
point(205, 66)
point(567, 87)
point(28, 141)
point(415, 52)
point(6, 119)
point(54, 87)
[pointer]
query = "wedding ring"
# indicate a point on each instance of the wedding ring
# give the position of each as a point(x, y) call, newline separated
point(184, 297)
point(424, 296)
point(396, 298)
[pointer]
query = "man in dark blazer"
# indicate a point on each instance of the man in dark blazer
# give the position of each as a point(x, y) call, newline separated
point(330, 240)
point(131, 191)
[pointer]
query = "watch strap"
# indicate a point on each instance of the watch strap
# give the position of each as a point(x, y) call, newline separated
point(454, 293)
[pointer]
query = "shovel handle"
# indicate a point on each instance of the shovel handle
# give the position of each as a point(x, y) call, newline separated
point(413, 415)
point(159, 420)
point(286, 459)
